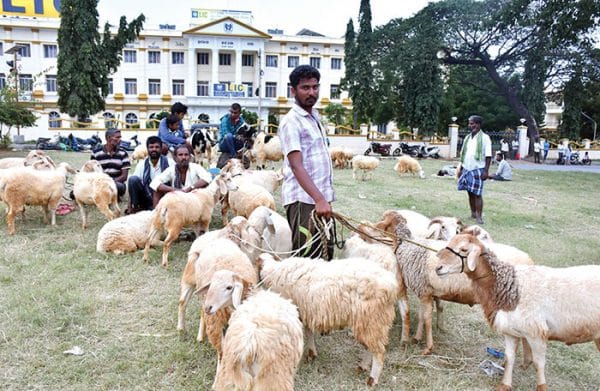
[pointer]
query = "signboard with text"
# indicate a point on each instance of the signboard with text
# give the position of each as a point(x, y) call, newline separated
point(37, 8)
point(229, 90)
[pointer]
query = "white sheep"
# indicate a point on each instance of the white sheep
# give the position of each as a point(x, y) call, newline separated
point(273, 229)
point(266, 147)
point(382, 255)
point(269, 179)
point(178, 209)
point(477, 231)
point(263, 345)
point(536, 303)
point(125, 234)
point(139, 153)
point(36, 157)
point(444, 228)
point(409, 165)
point(335, 295)
point(22, 186)
point(420, 226)
point(95, 188)
point(245, 199)
point(366, 165)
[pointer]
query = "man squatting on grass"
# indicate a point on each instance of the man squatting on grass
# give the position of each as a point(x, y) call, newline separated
point(307, 170)
point(475, 158)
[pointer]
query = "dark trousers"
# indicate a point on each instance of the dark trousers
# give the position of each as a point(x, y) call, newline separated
point(536, 157)
point(299, 218)
point(230, 144)
point(141, 198)
point(121, 188)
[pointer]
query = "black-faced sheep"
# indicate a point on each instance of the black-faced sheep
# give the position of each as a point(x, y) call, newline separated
point(536, 303)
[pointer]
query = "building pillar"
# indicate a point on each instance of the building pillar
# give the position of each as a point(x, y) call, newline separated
point(453, 136)
point(238, 67)
point(192, 74)
point(215, 71)
point(523, 141)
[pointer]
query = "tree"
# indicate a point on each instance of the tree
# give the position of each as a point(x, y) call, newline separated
point(12, 112)
point(85, 59)
point(250, 117)
point(335, 113)
point(573, 95)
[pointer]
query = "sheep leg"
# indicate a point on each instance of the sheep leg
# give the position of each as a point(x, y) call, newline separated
point(427, 305)
point(376, 368)
point(45, 209)
point(527, 355)
point(510, 351)
point(83, 214)
point(151, 238)
point(419, 333)
point(224, 210)
point(201, 328)
point(10, 218)
point(186, 290)
point(310, 342)
point(538, 351)
point(172, 235)
point(439, 306)
point(405, 315)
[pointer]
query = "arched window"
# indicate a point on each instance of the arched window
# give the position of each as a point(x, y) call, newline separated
point(54, 120)
point(108, 120)
point(131, 119)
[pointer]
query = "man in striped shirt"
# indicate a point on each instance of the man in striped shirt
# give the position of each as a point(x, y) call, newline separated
point(307, 170)
point(114, 160)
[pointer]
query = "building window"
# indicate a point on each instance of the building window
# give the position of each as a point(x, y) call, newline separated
point(2, 80)
point(315, 62)
point(249, 91)
point(153, 57)
point(202, 58)
point(178, 87)
point(25, 82)
point(110, 86)
point(270, 89)
point(109, 121)
point(177, 57)
point(336, 63)
point(293, 61)
point(334, 91)
point(247, 60)
point(51, 83)
point(131, 86)
point(50, 51)
point(224, 59)
point(131, 119)
point(25, 50)
point(54, 120)
point(154, 87)
point(130, 56)
point(272, 61)
point(202, 88)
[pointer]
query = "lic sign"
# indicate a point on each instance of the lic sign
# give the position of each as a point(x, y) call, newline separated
point(229, 90)
point(37, 8)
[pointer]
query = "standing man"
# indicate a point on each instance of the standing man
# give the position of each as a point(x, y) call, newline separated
point(307, 171)
point(140, 193)
point(230, 123)
point(114, 160)
point(173, 135)
point(183, 175)
point(504, 148)
point(514, 148)
point(537, 151)
point(546, 149)
point(475, 157)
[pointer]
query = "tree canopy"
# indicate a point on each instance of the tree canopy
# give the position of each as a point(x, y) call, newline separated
point(86, 59)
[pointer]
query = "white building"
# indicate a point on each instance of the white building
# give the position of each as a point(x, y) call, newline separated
point(207, 67)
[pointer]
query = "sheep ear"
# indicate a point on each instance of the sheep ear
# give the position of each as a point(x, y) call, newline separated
point(270, 224)
point(472, 257)
point(434, 231)
point(236, 295)
point(222, 186)
point(203, 290)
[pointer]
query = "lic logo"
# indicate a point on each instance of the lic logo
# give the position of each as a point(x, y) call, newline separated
point(228, 27)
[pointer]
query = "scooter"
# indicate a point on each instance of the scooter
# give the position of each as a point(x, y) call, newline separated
point(131, 144)
point(382, 149)
point(431, 151)
point(405, 149)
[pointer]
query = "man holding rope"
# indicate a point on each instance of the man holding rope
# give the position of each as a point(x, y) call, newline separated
point(308, 174)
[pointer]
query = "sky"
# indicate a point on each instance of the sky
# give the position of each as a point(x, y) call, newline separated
point(328, 17)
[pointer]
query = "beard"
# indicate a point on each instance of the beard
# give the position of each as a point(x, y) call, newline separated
point(154, 155)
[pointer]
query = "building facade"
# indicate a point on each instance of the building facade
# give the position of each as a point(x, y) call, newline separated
point(207, 67)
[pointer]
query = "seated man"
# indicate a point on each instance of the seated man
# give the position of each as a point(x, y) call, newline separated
point(183, 175)
point(113, 159)
point(504, 172)
point(230, 123)
point(140, 193)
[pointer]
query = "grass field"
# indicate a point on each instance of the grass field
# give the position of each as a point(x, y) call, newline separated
point(57, 293)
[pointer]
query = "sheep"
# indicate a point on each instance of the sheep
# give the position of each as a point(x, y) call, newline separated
point(269, 179)
point(26, 186)
point(366, 164)
point(139, 153)
point(266, 147)
point(247, 198)
point(95, 188)
point(349, 155)
point(536, 303)
point(334, 295)
point(264, 341)
point(409, 165)
point(221, 254)
point(125, 234)
point(418, 264)
point(420, 226)
point(382, 255)
point(443, 228)
point(91, 166)
point(477, 231)
point(36, 157)
point(203, 142)
point(178, 209)
point(338, 157)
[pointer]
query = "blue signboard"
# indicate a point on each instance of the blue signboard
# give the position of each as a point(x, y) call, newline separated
point(229, 90)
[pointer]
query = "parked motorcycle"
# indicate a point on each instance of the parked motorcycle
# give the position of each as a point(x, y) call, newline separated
point(131, 144)
point(431, 151)
point(382, 149)
point(405, 149)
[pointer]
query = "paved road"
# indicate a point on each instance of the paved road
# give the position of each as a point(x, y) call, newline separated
point(526, 165)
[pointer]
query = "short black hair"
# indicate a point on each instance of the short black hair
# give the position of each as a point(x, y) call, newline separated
point(303, 72)
point(172, 119)
point(153, 140)
point(179, 107)
point(111, 132)
point(236, 107)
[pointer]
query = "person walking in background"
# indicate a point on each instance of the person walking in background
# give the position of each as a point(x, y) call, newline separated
point(514, 148)
point(114, 160)
point(546, 149)
point(504, 148)
point(537, 150)
point(475, 158)
point(561, 153)
point(307, 170)
point(567, 153)
point(504, 171)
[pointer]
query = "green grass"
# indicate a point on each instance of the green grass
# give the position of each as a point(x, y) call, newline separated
point(57, 292)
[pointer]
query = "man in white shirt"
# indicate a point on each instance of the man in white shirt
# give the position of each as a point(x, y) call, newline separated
point(182, 176)
point(140, 193)
point(475, 157)
point(537, 151)
point(504, 172)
